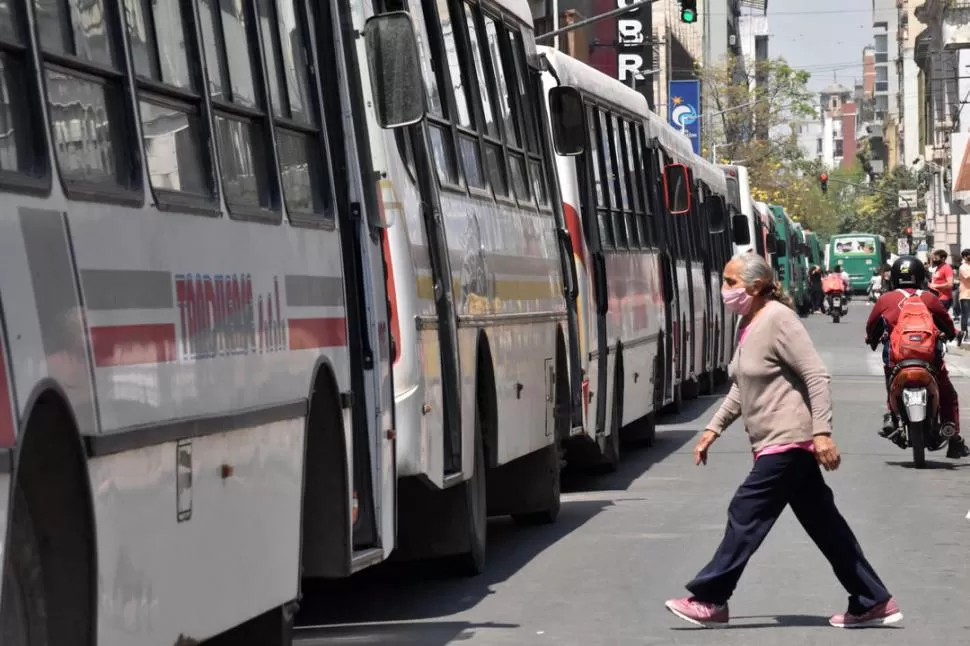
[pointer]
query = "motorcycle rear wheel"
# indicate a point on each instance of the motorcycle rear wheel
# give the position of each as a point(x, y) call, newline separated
point(917, 440)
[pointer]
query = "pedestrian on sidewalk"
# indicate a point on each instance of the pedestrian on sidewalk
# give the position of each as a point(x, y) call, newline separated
point(964, 276)
point(781, 390)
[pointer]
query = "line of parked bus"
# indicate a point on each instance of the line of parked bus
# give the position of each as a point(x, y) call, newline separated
point(289, 287)
point(775, 235)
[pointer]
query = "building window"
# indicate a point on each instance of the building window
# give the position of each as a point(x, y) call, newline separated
point(818, 146)
point(838, 147)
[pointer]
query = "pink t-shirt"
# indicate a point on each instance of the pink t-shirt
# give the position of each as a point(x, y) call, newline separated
point(777, 448)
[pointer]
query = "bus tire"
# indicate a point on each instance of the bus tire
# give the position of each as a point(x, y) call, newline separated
point(471, 562)
point(23, 617)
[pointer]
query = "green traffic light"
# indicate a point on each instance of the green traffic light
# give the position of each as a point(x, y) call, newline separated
point(688, 15)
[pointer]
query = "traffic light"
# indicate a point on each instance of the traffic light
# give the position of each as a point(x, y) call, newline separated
point(688, 11)
point(823, 181)
point(909, 238)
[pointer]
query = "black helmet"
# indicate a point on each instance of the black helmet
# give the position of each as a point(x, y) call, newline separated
point(907, 271)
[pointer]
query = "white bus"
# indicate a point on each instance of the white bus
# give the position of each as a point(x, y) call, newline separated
point(475, 275)
point(611, 208)
point(745, 232)
point(647, 269)
point(693, 243)
point(195, 376)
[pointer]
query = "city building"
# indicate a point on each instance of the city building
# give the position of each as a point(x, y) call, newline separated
point(942, 54)
point(885, 24)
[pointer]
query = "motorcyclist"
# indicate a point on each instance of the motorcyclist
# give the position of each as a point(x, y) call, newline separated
point(907, 275)
point(833, 283)
point(845, 278)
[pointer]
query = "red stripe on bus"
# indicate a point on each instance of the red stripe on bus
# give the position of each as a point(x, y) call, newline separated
point(130, 345)
point(575, 228)
point(7, 432)
point(306, 334)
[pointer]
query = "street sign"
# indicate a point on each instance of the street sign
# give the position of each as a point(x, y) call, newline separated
point(907, 195)
point(902, 246)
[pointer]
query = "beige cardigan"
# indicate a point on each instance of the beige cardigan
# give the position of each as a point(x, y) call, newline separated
point(780, 386)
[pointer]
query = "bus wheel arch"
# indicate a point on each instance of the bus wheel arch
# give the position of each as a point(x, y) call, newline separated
point(324, 552)
point(61, 566)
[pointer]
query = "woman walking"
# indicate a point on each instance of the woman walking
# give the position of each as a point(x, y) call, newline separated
point(781, 390)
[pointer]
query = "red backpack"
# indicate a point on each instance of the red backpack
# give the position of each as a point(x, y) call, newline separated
point(915, 334)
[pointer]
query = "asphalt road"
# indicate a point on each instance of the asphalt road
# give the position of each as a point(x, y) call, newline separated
point(626, 542)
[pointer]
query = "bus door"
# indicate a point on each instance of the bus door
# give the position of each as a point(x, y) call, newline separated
point(666, 242)
point(594, 177)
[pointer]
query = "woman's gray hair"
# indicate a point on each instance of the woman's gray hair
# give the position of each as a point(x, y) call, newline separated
point(754, 268)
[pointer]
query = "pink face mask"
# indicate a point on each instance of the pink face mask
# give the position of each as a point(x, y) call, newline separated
point(737, 300)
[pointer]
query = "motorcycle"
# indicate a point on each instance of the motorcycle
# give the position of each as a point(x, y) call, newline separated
point(838, 306)
point(914, 397)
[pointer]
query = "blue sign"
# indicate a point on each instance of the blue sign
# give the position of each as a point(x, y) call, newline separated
point(684, 109)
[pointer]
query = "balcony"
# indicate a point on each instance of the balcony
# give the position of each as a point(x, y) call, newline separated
point(953, 17)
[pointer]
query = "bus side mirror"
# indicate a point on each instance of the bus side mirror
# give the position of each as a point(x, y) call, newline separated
point(781, 248)
point(677, 189)
point(739, 226)
point(804, 249)
point(395, 70)
point(568, 121)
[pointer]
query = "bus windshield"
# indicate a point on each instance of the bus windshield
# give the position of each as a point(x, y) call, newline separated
point(859, 254)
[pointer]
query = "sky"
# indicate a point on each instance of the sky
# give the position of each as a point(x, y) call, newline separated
point(824, 37)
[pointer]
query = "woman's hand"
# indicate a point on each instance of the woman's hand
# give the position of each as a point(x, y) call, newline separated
point(700, 449)
point(826, 452)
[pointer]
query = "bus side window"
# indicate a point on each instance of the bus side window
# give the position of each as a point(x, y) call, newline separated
point(22, 156)
point(246, 155)
point(170, 102)
point(91, 124)
point(510, 103)
point(610, 185)
point(635, 184)
point(440, 106)
point(644, 172)
point(595, 158)
point(624, 205)
point(301, 147)
point(534, 121)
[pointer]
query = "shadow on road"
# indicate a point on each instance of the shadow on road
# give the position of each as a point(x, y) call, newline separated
point(692, 409)
point(930, 465)
point(429, 633)
point(775, 621)
point(384, 600)
point(633, 464)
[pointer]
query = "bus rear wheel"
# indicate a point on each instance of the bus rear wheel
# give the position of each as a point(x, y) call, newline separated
point(23, 617)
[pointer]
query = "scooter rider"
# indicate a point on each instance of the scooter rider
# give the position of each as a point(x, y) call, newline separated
point(907, 276)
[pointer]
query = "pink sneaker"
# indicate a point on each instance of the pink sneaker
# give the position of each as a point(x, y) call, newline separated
point(884, 614)
point(699, 613)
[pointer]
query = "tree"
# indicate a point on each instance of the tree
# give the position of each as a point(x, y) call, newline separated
point(879, 212)
point(746, 107)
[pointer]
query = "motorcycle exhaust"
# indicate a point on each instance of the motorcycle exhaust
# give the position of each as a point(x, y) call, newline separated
point(914, 401)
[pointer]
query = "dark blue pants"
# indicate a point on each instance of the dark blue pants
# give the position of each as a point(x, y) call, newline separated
point(793, 478)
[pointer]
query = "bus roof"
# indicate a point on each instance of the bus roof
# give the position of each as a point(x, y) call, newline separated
point(577, 74)
point(518, 8)
point(683, 151)
point(581, 76)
